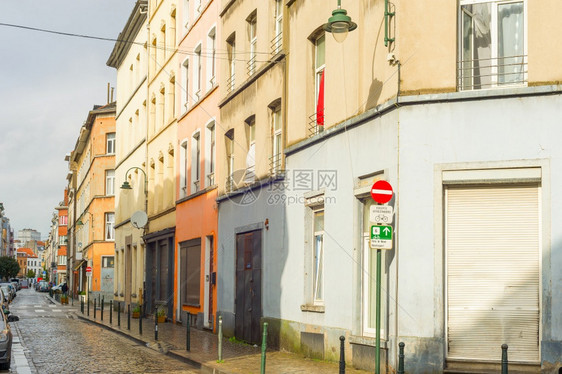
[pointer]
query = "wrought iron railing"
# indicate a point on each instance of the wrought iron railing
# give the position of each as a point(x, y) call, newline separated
point(276, 165)
point(491, 72)
point(230, 83)
point(276, 43)
point(251, 65)
point(315, 123)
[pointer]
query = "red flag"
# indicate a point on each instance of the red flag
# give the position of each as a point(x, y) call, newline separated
point(320, 102)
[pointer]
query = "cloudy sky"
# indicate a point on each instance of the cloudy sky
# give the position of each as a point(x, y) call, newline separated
point(48, 83)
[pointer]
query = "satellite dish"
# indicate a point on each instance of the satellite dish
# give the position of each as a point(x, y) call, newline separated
point(139, 219)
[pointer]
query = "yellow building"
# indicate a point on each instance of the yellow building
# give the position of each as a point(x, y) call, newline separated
point(94, 158)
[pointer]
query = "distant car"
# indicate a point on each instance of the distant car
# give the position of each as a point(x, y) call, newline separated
point(24, 283)
point(5, 340)
point(43, 286)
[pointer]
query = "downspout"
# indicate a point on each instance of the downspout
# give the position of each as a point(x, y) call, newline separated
point(397, 305)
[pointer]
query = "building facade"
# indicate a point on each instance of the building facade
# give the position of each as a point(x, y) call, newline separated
point(94, 156)
point(130, 58)
point(197, 93)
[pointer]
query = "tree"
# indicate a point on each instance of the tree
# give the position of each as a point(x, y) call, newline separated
point(9, 267)
point(30, 274)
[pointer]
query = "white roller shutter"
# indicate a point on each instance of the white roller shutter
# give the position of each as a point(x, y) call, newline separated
point(492, 248)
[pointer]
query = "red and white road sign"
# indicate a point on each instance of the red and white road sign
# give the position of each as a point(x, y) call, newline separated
point(381, 192)
point(88, 271)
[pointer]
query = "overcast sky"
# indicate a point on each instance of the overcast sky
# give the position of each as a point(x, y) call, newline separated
point(48, 83)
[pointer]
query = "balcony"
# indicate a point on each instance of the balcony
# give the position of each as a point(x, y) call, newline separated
point(492, 73)
point(315, 124)
point(275, 165)
point(276, 44)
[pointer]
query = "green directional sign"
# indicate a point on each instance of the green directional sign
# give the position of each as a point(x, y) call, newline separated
point(381, 237)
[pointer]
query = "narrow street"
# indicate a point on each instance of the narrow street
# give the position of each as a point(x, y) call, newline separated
point(49, 339)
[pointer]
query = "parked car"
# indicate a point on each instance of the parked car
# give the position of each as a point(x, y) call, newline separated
point(5, 339)
point(43, 286)
point(11, 288)
point(24, 283)
point(6, 292)
point(58, 288)
point(16, 283)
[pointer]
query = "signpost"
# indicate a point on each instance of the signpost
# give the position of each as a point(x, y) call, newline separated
point(89, 271)
point(381, 238)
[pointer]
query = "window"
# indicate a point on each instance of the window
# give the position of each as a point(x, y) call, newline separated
point(277, 40)
point(253, 40)
point(109, 226)
point(251, 156)
point(186, 14)
point(63, 220)
point(229, 143)
point(210, 153)
point(110, 143)
point(63, 240)
point(196, 163)
point(171, 98)
point(110, 182)
point(197, 73)
point(277, 132)
point(107, 262)
point(319, 67)
point(231, 52)
point(185, 88)
point(211, 39)
point(318, 256)
point(183, 169)
point(492, 44)
point(162, 106)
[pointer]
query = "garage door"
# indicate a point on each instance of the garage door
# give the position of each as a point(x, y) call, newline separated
point(492, 248)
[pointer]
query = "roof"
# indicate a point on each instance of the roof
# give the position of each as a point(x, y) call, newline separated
point(25, 251)
point(87, 127)
point(127, 37)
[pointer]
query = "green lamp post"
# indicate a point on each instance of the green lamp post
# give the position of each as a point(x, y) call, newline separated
point(340, 24)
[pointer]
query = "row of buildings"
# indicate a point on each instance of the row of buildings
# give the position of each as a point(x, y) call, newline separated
point(232, 176)
point(7, 234)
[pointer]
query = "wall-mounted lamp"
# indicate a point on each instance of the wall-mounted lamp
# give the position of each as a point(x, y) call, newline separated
point(339, 24)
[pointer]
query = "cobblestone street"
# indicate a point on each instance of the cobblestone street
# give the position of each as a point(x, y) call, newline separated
point(54, 341)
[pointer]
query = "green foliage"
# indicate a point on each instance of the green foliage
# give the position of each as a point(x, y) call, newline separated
point(136, 309)
point(9, 267)
point(161, 312)
point(30, 274)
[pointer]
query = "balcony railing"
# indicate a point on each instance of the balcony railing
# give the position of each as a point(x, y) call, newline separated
point(492, 72)
point(276, 43)
point(251, 66)
point(315, 124)
point(230, 83)
point(276, 165)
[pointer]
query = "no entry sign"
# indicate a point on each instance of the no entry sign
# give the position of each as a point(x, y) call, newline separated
point(381, 192)
point(89, 271)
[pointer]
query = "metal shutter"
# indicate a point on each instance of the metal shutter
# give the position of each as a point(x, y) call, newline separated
point(492, 248)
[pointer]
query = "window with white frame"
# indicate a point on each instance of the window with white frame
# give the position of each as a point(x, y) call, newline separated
point(278, 38)
point(110, 182)
point(210, 153)
point(63, 240)
point(185, 88)
point(186, 14)
point(318, 255)
point(196, 162)
point(211, 58)
point(251, 156)
point(277, 132)
point(110, 143)
point(109, 226)
point(63, 220)
point(183, 169)
point(197, 73)
point(319, 69)
point(231, 55)
point(253, 41)
point(492, 43)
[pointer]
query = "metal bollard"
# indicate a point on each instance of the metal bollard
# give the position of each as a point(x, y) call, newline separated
point(82, 306)
point(94, 308)
point(156, 323)
point(88, 307)
point(504, 358)
point(102, 303)
point(342, 354)
point(220, 338)
point(401, 358)
point(140, 321)
point(188, 337)
point(119, 314)
point(111, 312)
point(263, 348)
point(128, 316)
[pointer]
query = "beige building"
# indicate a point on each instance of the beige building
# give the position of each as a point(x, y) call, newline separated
point(161, 151)
point(130, 58)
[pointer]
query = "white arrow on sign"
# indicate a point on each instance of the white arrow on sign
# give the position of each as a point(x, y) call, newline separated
point(386, 230)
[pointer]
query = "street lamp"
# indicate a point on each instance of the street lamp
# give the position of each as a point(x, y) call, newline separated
point(339, 24)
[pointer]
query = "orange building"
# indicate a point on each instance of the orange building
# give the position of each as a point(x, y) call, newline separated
point(94, 162)
point(22, 255)
point(62, 213)
point(196, 208)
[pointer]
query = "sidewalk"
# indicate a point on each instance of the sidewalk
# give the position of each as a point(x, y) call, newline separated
point(237, 358)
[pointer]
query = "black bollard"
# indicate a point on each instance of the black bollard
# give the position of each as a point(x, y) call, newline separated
point(401, 358)
point(140, 321)
point(111, 312)
point(102, 303)
point(128, 316)
point(82, 306)
point(156, 323)
point(88, 307)
point(342, 355)
point(504, 358)
point(188, 337)
point(118, 314)
point(95, 308)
